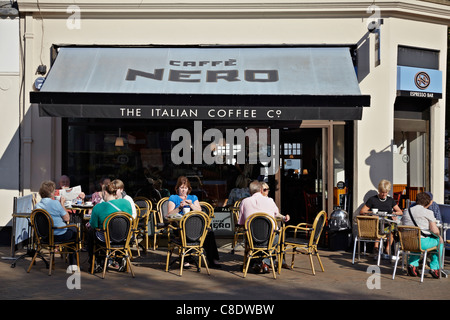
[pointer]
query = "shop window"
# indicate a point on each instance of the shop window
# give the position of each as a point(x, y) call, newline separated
point(90, 152)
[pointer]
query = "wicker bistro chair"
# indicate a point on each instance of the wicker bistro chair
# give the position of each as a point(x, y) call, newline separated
point(368, 231)
point(239, 230)
point(306, 246)
point(135, 229)
point(118, 232)
point(260, 234)
point(141, 227)
point(163, 207)
point(410, 243)
point(208, 209)
point(42, 223)
point(158, 225)
point(192, 229)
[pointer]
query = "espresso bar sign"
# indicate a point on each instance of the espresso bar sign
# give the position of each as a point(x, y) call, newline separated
point(419, 82)
point(430, 95)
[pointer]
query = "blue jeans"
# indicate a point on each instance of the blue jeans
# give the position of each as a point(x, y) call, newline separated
point(426, 243)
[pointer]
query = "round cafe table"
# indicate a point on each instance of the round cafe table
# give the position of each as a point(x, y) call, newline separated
point(390, 223)
point(80, 215)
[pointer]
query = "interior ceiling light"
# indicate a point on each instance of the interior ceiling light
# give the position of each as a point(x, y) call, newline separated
point(119, 140)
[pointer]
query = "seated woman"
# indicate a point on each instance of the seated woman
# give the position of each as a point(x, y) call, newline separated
point(383, 202)
point(121, 194)
point(111, 204)
point(424, 218)
point(182, 198)
point(241, 190)
point(59, 215)
point(182, 202)
point(97, 196)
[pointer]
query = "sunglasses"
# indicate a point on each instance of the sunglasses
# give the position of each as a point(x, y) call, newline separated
point(266, 189)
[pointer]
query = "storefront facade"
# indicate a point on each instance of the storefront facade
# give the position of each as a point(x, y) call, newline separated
point(326, 138)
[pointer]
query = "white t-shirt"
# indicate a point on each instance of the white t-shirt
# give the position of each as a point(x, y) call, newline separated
point(133, 207)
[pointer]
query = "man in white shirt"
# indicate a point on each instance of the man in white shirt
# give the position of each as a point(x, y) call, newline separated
point(258, 203)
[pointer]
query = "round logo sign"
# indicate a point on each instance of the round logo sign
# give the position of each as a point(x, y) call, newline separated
point(422, 80)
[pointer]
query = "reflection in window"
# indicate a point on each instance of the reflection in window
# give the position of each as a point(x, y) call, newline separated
point(294, 149)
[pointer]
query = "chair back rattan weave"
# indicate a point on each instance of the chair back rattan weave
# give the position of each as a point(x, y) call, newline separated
point(261, 229)
point(368, 227)
point(194, 227)
point(409, 238)
point(163, 207)
point(42, 225)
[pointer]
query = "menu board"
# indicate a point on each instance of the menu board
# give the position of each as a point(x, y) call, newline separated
point(22, 205)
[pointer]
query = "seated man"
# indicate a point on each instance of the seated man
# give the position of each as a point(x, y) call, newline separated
point(257, 202)
point(64, 183)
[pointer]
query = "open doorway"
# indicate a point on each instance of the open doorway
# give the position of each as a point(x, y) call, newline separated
point(302, 186)
point(411, 159)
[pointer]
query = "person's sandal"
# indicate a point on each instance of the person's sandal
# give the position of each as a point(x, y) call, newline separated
point(413, 271)
point(434, 273)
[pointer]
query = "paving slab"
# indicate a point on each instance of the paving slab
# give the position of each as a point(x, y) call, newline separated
point(341, 281)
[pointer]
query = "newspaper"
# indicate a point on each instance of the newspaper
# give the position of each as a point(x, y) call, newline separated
point(70, 193)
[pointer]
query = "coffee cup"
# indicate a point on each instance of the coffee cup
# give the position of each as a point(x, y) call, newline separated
point(374, 210)
point(186, 210)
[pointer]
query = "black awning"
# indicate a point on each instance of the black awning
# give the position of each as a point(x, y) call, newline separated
point(202, 83)
point(199, 112)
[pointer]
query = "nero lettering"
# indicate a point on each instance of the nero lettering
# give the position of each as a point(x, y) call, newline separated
point(210, 76)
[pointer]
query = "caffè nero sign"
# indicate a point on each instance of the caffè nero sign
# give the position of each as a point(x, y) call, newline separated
point(264, 83)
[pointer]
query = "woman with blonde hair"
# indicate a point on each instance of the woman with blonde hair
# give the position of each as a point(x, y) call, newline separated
point(384, 203)
point(265, 189)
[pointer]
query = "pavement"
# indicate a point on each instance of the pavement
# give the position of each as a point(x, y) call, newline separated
point(340, 281)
